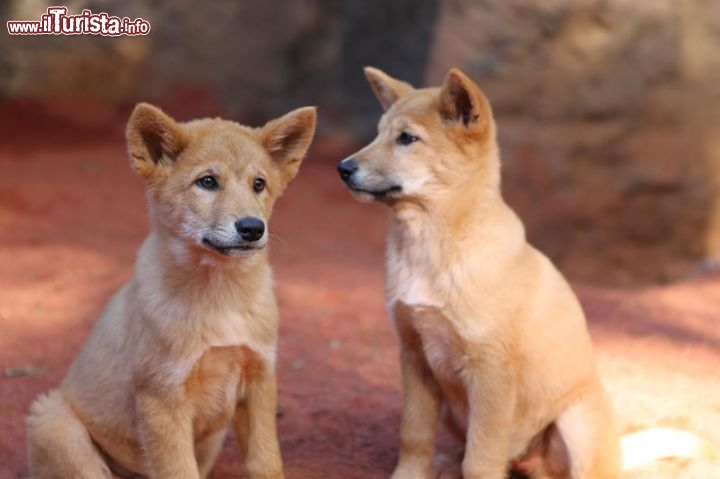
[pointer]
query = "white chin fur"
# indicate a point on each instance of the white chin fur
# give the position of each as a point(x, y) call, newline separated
point(363, 196)
point(219, 259)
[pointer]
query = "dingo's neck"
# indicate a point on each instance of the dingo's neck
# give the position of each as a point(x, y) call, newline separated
point(199, 276)
point(445, 230)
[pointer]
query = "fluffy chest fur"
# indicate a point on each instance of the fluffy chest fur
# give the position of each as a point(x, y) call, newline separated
point(217, 382)
point(204, 330)
point(216, 375)
point(186, 311)
point(216, 368)
point(414, 275)
point(419, 300)
point(445, 296)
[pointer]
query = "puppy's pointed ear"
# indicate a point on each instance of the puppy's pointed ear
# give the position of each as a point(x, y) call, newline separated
point(288, 138)
point(462, 101)
point(153, 139)
point(387, 89)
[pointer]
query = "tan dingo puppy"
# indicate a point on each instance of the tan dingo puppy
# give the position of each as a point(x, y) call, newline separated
point(187, 346)
point(491, 335)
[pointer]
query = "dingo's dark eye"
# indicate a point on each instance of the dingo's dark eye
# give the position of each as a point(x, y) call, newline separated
point(258, 185)
point(406, 138)
point(207, 182)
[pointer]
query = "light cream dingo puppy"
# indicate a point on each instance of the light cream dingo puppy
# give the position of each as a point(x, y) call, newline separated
point(187, 346)
point(491, 335)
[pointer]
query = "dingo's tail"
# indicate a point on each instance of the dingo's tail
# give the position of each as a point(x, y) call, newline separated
point(648, 445)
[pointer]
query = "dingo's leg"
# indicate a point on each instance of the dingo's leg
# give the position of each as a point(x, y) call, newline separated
point(419, 421)
point(256, 429)
point(207, 451)
point(587, 438)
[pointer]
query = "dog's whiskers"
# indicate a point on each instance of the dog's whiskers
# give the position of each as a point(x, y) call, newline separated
point(276, 238)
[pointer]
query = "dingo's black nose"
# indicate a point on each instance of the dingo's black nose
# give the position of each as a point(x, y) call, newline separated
point(250, 228)
point(346, 168)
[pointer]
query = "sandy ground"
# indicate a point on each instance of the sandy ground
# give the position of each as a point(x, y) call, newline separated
point(72, 216)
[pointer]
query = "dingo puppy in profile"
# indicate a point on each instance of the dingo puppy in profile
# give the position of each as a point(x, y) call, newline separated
point(491, 336)
point(188, 345)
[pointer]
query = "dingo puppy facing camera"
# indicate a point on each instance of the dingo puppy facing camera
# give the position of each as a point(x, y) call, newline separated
point(186, 347)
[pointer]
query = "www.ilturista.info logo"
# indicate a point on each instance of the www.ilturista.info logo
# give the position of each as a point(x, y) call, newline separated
point(57, 22)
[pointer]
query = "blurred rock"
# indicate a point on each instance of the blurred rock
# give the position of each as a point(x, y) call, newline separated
point(604, 124)
point(258, 58)
point(40, 66)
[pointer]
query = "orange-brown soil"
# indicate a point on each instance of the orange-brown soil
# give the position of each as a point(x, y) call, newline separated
point(72, 216)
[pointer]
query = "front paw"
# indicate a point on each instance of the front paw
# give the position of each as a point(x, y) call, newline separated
point(409, 471)
point(447, 466)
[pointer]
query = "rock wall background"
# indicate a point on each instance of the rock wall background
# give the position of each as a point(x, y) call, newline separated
point(609, 110)
point(609, 124)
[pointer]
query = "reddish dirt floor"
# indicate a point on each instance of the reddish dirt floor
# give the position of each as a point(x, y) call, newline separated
point(72, 216)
